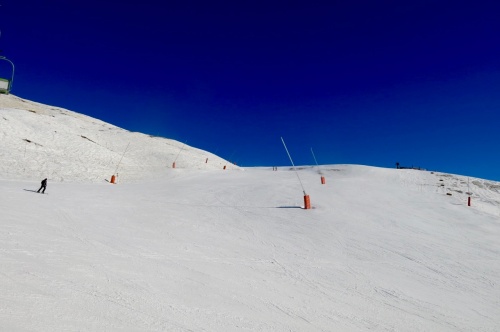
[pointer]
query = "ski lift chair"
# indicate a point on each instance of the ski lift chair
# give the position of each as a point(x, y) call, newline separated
point(5, 83)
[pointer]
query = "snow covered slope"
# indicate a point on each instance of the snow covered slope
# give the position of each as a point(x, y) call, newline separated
point(39, 141)
point(197, 249)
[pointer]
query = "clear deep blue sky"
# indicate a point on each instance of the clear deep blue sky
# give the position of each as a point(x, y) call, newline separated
point(360, 82)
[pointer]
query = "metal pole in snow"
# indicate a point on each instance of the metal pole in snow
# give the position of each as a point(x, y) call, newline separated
point(323, 181)
point(180, 151)
point(303, 190)
point(314, 157)
point(116, 170)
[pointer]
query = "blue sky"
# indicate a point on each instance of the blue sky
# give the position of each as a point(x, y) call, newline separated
point(360, 82)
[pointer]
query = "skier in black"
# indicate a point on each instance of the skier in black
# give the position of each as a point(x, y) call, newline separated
point(44, 186)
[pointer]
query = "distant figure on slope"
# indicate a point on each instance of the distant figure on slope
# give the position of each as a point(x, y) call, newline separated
point(43, 186)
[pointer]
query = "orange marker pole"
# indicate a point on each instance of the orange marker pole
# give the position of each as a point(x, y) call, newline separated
point(116, 170)
point(323, 181)
point(182, 147)
point(307, 201)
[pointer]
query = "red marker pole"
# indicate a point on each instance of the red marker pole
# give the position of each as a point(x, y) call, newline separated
point(323, 181)
point(113, 179)
point(173, 165)
point(307, 201)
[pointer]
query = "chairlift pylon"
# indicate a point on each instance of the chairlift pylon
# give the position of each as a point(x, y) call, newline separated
point(5, 83)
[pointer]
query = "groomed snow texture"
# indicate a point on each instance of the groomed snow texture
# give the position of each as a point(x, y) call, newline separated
point(200, 248)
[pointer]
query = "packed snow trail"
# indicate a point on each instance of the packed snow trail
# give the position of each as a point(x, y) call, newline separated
point(196, 250)
point(199, 248)
point(39, 141)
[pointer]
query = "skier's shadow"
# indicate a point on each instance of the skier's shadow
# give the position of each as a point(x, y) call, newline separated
point(33, 191)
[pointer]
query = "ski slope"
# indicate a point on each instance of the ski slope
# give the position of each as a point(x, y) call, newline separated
point(207, 249)
point(46, 141)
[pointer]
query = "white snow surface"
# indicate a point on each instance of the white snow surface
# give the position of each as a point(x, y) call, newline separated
point(45, 141)
point(199, 248)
